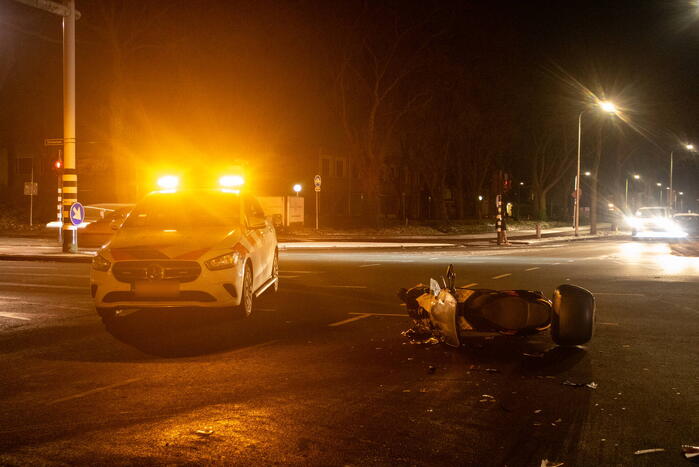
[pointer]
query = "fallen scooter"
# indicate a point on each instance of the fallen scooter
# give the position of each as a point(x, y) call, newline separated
point(450, 313)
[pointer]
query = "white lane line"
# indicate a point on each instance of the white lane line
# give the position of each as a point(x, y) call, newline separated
point(609, 324)
point(349, 320)
point(369, 265)
point(17, 301)
point(621, 294)
point(343, 286)
point(362, 316)
point(15, 316)
point(532, 269)
point(32, 274)
point(501, 276)
point(472, 284)
point(46, 286)
point(299, 272)
point(283, 276)
point(402, 315)
point(555, 264)
point(93, 391)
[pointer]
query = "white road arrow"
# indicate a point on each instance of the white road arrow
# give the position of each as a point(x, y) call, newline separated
point(77, 215)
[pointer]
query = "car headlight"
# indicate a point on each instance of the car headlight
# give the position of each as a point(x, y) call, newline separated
point(100, 263)
point(223, 262)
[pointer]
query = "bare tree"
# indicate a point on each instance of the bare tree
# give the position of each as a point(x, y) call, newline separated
point(551, 159)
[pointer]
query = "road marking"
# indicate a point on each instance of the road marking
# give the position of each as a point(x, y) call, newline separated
point(282, 276)
point(402, 315)
point(47, 286)
point(609, 324)
point(369, 265)
point(14, 316)
point(555, 264)
point(472, 284)
point(501, 276)
point(343, 286)
point(621, 294)
point(32, 274)
point(349, 320)
point(93, 391)
point(301, 272)
point(362, 316)
point(532, 269)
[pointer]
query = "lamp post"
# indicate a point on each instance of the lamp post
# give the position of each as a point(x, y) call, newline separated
point(610, 108)
point(626, 193)
point(297, 189)
point(660, 193)
point(671, 198)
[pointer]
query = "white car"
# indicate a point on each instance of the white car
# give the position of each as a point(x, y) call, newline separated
point(654, 223)
point(187, 249)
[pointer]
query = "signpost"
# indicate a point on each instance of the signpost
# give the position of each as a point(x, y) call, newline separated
point(77, 213)
point(317, 182)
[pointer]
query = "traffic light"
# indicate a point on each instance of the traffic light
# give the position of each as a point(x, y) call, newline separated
point(57, 165)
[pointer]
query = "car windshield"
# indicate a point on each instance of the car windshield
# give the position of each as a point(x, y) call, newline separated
point(652, 212)
point(178, 211)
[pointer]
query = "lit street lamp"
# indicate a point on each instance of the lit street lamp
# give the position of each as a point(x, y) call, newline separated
point(671, 198)
point(626, 194)
point(660, 193)
point(297, 189)
point(608, 107)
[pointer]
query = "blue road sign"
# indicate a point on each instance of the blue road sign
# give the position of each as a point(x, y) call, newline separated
point(77, 213)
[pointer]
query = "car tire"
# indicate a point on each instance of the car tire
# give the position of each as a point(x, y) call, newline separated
point(108, 316)
point(275, 271)
point(244, 310)
point(573, 316)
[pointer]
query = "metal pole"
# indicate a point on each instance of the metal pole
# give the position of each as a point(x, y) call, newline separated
point(31, 197)
point(576, 211)
point(70, 176)
point(317, 209)
point(626, 194)
point(671, 198)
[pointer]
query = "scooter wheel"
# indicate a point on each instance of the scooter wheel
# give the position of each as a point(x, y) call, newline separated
point(573, 317)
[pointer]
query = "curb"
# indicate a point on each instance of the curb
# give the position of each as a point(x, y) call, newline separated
point(76, 258)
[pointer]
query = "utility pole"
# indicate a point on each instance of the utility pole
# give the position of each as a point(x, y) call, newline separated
point(70, 176)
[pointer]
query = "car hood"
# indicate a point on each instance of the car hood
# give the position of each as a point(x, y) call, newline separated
point(138, 244)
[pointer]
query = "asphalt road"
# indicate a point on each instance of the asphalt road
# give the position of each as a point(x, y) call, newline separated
point(322, 375)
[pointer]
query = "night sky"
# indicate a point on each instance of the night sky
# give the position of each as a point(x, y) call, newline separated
point(247, 79)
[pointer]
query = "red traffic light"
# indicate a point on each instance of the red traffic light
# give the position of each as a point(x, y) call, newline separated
point(57, 165)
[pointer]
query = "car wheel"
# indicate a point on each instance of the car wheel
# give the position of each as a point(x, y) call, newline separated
point(275, 271)
point(108, 316)
point(573, 318)
point(244, 310)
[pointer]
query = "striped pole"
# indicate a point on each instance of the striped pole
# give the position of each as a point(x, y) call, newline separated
point(69, 196)
point(59, 211)
point(498, 218)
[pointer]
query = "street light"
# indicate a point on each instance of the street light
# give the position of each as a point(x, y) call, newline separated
point(588, 173)
point(610, 108)
point(660, 193)
point(626, 193)
point(671, 198)
point(297, 189)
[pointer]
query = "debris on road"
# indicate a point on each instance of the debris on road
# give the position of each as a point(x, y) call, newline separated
point(204, 432)
point(431, 369)
point(534, 355)
point(690, 452)
point(590, 385)
point(548, 463)
point(487, 398)
point(648, 451)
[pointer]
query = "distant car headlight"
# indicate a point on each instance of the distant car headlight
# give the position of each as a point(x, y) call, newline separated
point(632, 221)
point(223, 262)
point(100, 263)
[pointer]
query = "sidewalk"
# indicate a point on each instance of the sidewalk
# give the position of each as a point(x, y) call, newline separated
point(47, 249)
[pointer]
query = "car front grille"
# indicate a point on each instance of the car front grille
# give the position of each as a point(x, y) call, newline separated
point(131, 271)
point(183, 296)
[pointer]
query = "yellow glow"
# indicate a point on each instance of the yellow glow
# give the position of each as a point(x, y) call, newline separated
point(169, 230)
point(636, 176)
point(690, 147)
point(587, 174)
point(169, 182)
point(611, 205)
point(231, 180)
point(297, 188)
point(608, 107)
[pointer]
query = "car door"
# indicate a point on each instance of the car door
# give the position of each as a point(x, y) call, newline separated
point(257, 235)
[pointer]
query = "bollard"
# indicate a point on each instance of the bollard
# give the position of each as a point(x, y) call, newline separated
point(538, 230)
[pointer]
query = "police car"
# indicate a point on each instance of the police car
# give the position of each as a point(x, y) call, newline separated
point(187, 249)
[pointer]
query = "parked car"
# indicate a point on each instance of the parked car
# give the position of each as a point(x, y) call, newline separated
point(187, 249)
point(688, 222)
point(100, 231)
